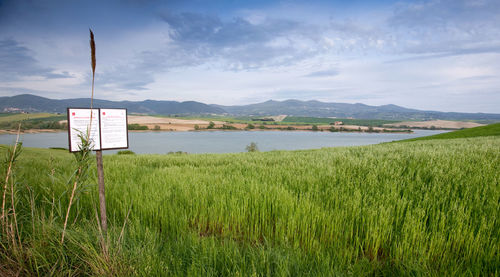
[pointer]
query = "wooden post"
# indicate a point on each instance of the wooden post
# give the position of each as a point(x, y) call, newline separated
point(102, 195)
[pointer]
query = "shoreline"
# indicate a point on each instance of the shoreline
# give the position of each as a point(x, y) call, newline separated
point(39, 131)
point(31, 131)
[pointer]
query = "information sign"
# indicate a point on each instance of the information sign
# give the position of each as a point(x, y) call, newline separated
point(108, 128)
point(114, 133)
point(79, 124)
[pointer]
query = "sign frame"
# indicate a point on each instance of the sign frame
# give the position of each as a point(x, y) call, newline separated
point(70, 127)
point(100, 128)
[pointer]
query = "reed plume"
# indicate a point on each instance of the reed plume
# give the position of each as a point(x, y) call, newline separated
point(93, 63)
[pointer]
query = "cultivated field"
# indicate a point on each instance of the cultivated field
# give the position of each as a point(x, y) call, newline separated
point(413, 208)
point(171, 124)
point(440, 124)
point(23, 116)
point(176, 124)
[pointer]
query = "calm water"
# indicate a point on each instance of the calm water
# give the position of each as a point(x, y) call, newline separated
point(224, 142)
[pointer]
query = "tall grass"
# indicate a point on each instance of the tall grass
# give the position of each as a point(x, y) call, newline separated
point(417, 208)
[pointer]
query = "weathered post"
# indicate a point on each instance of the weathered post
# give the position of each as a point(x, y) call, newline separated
point(102, 193)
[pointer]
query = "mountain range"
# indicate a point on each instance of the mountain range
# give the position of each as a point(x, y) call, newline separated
point(313, 108)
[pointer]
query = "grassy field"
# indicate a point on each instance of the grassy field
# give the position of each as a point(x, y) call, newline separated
point(404, 209)
point(488, 130)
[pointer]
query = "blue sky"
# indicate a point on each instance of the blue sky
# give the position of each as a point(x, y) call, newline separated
point(431, 55)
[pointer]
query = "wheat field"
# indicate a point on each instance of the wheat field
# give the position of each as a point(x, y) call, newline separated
point(414, 208)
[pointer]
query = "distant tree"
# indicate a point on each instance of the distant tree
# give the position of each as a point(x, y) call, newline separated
point(250, 126)
point(157, 128)
point(196, 127)
point(315, 128)
point(228, 127)
point(252, 147)
point(211, 125)
point(136, 126)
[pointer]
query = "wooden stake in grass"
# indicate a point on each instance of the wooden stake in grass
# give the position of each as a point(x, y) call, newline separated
point(102, 195)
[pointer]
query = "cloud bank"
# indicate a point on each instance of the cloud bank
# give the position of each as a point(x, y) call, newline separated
point(231, 53)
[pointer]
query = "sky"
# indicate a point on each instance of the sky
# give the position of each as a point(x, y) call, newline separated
point(439, 55)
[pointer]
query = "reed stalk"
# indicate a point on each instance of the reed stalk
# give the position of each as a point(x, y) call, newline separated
point(100, 170)
point(9, 171)
point(86, 146)
point(14, 216)
point(70, 202)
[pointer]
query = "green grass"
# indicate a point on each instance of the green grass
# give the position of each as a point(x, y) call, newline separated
point(415, 208)
point(482, 131)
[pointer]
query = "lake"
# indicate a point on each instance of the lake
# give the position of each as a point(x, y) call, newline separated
point(225, 141)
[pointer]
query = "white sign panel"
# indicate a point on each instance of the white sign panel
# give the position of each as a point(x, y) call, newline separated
point(114, 128)
point(80, 124)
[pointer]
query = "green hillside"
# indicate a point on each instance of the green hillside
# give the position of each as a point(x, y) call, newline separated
point(20, 117)
point(482, 131)
point(33, 121)
point(415, 208)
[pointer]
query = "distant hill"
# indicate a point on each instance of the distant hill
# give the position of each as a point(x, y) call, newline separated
point(343, 110)
point(32, 103)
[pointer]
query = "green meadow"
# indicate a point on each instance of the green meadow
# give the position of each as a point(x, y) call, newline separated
point(418, 208)
point(483, 131)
